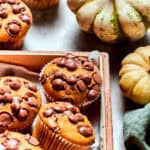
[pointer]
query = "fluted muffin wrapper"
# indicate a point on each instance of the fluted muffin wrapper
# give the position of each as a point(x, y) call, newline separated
point(53, 141)
point(41, 4)
point(83, 107)
point(12, 45)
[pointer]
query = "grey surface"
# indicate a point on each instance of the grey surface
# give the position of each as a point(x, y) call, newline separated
point(56, 29)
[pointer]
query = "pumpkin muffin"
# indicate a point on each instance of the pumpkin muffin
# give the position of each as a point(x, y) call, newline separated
point(61, 125)
point(15, 21)
point(71, 78)
point(17, 141)
point(19, 103)
point(41, 4)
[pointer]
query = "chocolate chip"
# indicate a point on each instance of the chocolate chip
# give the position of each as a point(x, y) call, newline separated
point(32, 101)
point(25, 18)
point(61, 62)
point(15, 107)
point(72, 108)
point(86, 78)
point(69, 55)
point(33, 141)
point(96, 87)
point(17, 99)
point(68, 90)
point(68, 113)
point(11, 144)
point(66, 99)
point(58, 84)
point(76, 118)
point(29, 95)
point(14, 84)
point(52, 123)
point(48, 112)
point(83, 59)
point(71, 79)
point(5, 119)
point(3, 12)
point(4, 90)
point(59, 74)
point(59, 108)
point(79, 117)
point(71, 64)
point(18, 8)
point(93, 94)
point(85, 130)
point(31, 86)
point(13, 28)
point(22, 115)
point(11, 1)
point(97, 78)
point(88, 66)
point(8, 97)
point(81, 86)
point(43, 78)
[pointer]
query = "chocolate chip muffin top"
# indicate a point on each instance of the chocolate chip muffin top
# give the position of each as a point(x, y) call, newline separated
point(19, 103)
point(15, 19)
point(71, 78)
point(65, 119)
point(17, 141)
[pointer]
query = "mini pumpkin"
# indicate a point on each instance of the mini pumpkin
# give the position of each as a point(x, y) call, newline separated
point(135, 76)
point(112, 20)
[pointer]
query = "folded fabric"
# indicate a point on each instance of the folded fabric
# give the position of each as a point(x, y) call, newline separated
point(14, 70)
point(137, 129)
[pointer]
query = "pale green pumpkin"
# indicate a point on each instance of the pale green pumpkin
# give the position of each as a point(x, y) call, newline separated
point(112, 20)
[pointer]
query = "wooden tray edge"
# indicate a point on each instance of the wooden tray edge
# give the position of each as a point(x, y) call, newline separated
point(108, 126)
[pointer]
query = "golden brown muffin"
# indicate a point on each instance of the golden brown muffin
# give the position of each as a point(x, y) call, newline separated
point(20, 102)
point(41, 4)
point(71, 78)
point(15, 21)
point(17, 141)
point(60, 124)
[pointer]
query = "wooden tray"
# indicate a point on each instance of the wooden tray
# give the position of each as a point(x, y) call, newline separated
point(36, 60)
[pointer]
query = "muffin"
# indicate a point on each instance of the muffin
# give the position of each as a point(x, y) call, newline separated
point(17, 141)
point(71, 78)
point(61, 125)
point(20, 102)
point(15, 21)
point(41, 4)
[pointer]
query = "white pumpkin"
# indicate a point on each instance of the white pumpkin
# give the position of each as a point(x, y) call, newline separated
point(111, 20)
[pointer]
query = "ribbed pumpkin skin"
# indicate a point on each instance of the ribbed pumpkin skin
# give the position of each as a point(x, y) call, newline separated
point(135, 76)
point(112, 20)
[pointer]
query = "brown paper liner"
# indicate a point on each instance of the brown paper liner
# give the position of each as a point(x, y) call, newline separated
point(83, 107)
point(41, 4)
point(11, 45)
point(53, 141)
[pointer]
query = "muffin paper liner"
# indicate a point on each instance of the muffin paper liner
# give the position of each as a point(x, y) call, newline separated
point(40, 4)
point(83, 107)
point(11, 44)
point(53, 141)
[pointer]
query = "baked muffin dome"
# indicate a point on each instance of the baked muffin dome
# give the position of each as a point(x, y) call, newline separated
point(15, 21)
point(71, 78)
point(20, 102)
point(17, 141)
point(60, 124)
